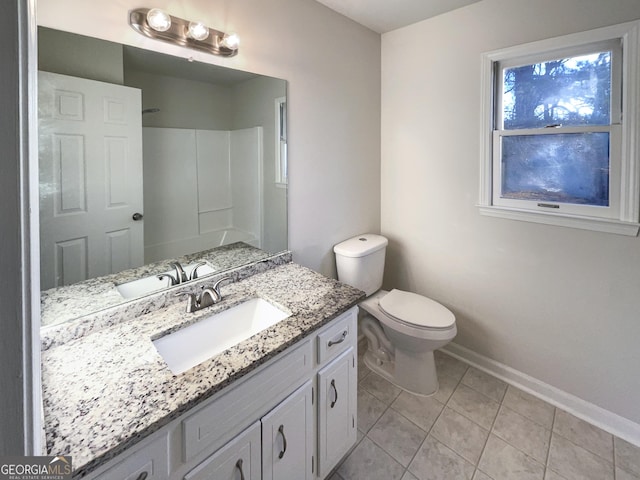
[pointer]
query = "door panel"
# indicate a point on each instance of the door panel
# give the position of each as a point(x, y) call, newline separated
point(90, 146)
point(287, 438)
point(337, 405)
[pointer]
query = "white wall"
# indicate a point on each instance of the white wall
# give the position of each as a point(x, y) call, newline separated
point(558, 304)
point(333, 69)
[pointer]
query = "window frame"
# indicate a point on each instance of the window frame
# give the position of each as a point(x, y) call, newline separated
point(622, 215)
point(281, 159)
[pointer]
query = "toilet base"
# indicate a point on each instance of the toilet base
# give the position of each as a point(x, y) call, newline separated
point(419, 370)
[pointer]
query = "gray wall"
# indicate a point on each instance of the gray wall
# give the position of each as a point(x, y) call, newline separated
point(69, 54)
point(559, 304)
point(254, 105)
point(182, 103)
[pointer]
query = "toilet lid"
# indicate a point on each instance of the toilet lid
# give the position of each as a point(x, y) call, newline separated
point(415, 309)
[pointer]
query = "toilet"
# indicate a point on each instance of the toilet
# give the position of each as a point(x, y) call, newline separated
point(402, 329)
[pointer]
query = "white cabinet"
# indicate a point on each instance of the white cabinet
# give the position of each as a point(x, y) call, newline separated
point(240, 459)
point(337, 407)
point(287, 438)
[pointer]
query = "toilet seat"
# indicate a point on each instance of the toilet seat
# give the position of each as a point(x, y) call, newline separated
point(416, 311)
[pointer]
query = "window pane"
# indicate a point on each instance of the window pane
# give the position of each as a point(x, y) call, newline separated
point(562, 168)
point(570, 91)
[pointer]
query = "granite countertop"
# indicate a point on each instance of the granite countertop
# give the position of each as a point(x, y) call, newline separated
point(107, 390)
point(66, 303)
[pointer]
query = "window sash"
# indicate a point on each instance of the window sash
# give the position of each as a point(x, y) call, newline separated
point(613, 45)
point(615, 155)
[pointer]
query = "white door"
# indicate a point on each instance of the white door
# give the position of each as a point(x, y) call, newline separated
point(90, 149)
point(287, 438)
point(337, 407)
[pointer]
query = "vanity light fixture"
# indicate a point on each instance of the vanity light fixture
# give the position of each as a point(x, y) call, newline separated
point(159, 25)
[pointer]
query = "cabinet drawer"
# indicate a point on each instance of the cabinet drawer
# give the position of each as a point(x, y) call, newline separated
point(240, 458)
point(337, 338)
point(217, 422)
point(151, 459)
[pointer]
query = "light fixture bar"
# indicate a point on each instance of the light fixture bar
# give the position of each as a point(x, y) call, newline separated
point(178, 34)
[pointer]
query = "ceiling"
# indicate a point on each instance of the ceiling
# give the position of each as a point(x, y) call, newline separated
point(385, 15)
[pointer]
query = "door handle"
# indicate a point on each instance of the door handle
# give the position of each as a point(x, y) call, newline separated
point(284, 441)
point(333, 384)
point(137, 217)
point(239, 467)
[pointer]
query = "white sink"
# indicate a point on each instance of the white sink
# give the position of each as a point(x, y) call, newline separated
point(147, 285)
point(192, 345)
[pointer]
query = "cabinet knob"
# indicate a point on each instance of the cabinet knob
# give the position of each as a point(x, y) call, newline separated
point(239, 467)
point(335, 400)
point(137, 217)
point(284, 441)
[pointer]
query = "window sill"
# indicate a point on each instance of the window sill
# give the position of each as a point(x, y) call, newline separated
point(571, 221)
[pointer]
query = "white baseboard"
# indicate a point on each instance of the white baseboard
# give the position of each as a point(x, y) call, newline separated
point(598, 416)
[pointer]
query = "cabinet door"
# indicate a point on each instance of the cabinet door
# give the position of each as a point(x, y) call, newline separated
point(237, 460)
point(287, 438)
point(337, 408)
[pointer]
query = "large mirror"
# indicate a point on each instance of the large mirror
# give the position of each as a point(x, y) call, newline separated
point(148, 159)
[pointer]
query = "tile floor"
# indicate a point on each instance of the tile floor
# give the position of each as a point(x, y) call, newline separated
point(476, 428)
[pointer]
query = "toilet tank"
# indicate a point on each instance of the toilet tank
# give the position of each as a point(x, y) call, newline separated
point(360, 261)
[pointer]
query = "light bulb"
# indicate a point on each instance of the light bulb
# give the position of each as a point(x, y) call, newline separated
point(158, 20)
point(230, 41)
point(198, 31)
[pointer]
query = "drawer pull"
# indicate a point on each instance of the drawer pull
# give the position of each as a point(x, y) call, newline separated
point(284, 441)
point(333, 384)
point(239, 467)
point(142, 476)
point(342, 338)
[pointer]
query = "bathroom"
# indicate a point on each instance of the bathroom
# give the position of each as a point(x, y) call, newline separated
point(371, 151)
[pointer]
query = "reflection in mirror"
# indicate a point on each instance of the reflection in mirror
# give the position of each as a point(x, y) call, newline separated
point(147, 159)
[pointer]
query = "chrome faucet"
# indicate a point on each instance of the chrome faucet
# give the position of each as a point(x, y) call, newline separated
point(181, 275)
point(209, 296)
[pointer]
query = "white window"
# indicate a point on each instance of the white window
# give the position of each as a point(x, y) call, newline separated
point(281, 142)
point(560, 131)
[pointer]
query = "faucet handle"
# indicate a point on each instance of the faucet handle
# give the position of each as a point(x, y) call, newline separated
point(194, 270)
point(192, 301)
point(216, 286)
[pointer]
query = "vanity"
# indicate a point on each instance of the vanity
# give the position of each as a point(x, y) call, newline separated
point(278, 405)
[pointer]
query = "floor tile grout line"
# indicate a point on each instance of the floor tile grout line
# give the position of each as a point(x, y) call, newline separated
point(436, 421)
point(553, 423)
point(484, 447)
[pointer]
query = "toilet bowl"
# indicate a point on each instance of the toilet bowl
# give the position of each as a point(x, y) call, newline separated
point(402, 328)
point(402, 349)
